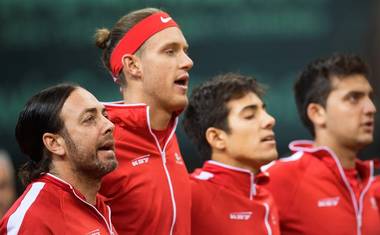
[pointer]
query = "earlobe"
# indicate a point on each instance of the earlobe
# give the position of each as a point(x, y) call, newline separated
point(132, 65)
point(316, 114)
point(54, 143)
point(216, 138)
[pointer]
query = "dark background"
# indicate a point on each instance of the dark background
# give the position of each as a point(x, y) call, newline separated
point(44, 42)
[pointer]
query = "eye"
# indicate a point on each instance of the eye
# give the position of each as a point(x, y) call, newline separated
point(354, 97)
point(249, 116)
point(106, 115)
point(169, 51)
point(89, 119)
point(186, 51)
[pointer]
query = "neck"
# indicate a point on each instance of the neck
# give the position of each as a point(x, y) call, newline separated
point(159, 117)
point(345, 154)
point(87, 186)
point(228, 160)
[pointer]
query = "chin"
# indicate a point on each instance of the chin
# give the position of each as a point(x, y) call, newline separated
point(179, 106)
point(271, 157)
point(362, 143)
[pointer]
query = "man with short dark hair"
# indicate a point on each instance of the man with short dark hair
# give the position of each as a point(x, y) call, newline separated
point(66, 134)
point(227, 121)
point(323, 188)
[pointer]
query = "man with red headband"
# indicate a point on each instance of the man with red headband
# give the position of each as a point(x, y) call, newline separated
point(149, 193)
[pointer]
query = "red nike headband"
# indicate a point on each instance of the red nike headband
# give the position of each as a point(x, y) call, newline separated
point(136, 36)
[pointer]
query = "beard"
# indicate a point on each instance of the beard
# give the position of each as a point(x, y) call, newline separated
point(86, 162)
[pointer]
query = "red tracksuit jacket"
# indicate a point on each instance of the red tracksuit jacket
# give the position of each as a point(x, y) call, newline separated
point(149, 193)
point(376, 191)
point(229, 200)
point(315, 197)
point(52, 206)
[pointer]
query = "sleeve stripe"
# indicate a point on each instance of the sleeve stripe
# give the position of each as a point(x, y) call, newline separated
point(15, 220)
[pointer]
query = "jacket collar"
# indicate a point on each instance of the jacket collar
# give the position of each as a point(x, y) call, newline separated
point(135, 118)
point(47, 177)
point(235, 179)
point(329, 158)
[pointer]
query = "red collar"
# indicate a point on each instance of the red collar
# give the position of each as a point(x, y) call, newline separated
point(134, 116)
point(234, 178)
point(329, 158)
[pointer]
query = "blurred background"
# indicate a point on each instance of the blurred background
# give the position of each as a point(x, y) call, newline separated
point(44, 42)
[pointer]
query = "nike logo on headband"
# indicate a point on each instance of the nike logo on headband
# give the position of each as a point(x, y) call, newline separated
point(165, 20)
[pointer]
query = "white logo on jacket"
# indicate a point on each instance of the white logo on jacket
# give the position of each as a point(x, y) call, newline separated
point(328, 202)
point(246, 215)
point(140, 160)
point(178, 159)
point(374, 203)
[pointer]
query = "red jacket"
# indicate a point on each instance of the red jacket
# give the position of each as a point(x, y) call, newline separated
point(52, 206)
point(314, 195)
point(376, 191)
point(149, 193)
point(229, 200)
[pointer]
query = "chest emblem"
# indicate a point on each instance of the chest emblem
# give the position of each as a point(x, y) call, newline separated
point(328, 202)
point(374, 203)
point(178, 159)
point(140, 160)
point(246, 215)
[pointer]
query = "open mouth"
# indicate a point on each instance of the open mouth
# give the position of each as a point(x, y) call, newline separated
point(369, 126)
point(270, 138)
point(109, 145)
point(182, 80)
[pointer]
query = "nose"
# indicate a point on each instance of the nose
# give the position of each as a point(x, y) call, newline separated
point(187, 62)
point(269, 121)
point(369, 107)
point(108, 126)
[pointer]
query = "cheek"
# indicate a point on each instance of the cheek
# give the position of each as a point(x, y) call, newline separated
point(246, 137)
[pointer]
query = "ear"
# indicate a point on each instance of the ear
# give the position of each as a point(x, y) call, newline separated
point(216, 138)
point(317, 114)
point(132, 65)
point(54, 143)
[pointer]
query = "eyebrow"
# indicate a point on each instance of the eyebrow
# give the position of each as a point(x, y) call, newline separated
point(253, 107)
point(91, 110)
point(361, 93)
point(176, 44)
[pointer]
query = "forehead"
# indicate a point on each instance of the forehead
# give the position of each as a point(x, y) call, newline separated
point(237, 105)
point(166, 36)
point(78, 101)
point(351, 83)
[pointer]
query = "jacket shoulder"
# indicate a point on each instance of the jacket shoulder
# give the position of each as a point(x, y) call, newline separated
point(36, 209)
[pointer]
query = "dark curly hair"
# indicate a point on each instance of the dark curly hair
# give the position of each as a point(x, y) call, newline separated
point(315, 82)
point(208, 106)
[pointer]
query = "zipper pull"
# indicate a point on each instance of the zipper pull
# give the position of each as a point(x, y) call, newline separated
point(163, 154)
point(359, 221)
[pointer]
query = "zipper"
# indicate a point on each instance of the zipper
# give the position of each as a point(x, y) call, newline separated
point(163, 158)
point(253, 187)
point(266, 219)
point(93, 207)
point(163, 155)
point(358, 206)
